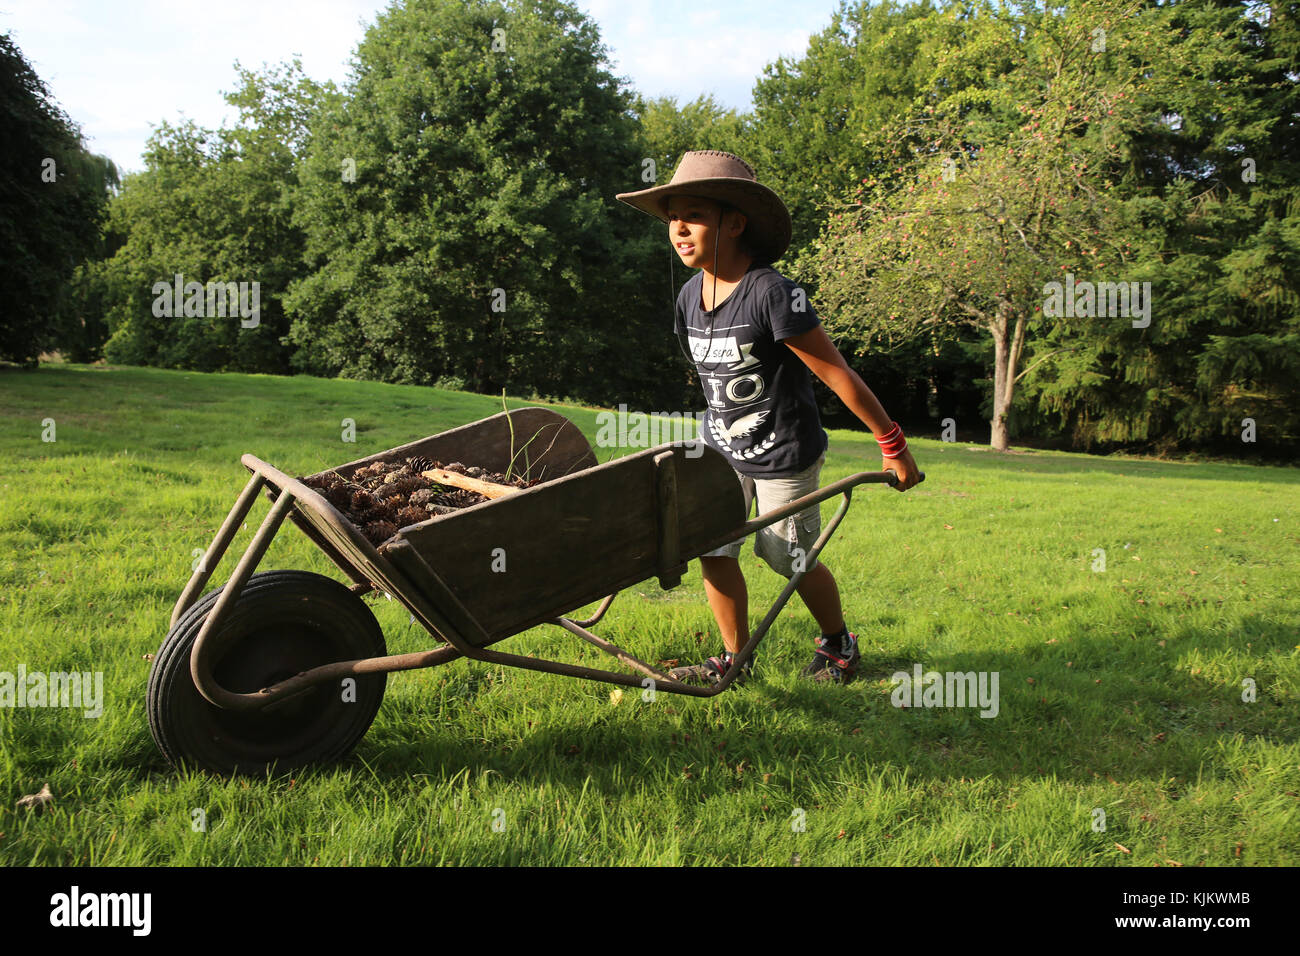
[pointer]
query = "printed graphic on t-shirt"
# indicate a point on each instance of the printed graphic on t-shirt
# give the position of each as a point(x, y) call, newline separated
point(738, 383)
point(707, 350)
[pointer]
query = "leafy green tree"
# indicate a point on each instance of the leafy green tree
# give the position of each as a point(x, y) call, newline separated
point(53, 196)
point(671, 130)
point(883, 92)
point(979, 231)
point(212, 207)
point(817, 118)
point(1086, 143)
point(1211, 189)
point(459, 213)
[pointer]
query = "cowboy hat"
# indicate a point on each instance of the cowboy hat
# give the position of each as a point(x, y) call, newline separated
point(725, 178)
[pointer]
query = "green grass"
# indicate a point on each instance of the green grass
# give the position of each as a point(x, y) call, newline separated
point(1120, 690)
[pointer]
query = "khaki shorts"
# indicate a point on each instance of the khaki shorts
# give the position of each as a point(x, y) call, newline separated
point(783, 543)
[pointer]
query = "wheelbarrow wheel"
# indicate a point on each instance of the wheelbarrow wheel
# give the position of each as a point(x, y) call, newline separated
point(283, 623)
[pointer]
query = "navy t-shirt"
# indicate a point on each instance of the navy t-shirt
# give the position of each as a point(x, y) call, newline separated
point(762, 412)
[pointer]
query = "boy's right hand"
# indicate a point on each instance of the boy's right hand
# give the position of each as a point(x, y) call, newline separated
point(904, 466)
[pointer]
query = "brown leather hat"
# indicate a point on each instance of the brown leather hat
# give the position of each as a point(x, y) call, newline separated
point(726, 178)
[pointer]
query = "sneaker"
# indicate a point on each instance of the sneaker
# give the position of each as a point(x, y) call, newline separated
point(710, 672)
point(831, 664)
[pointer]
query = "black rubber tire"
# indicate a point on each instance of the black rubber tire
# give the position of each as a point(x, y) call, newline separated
point(284, 622)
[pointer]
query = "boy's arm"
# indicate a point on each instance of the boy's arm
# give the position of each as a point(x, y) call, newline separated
point(818, 352)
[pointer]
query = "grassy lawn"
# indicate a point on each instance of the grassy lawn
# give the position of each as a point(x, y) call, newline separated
point(1120, 690)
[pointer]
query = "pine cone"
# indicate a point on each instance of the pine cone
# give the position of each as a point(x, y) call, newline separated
point(461, 498)
point(420, 464)
point(411, 515)
point(385, 510)
point(362, 501)
point(422, 496)
point(377, 532)
point(402, 485)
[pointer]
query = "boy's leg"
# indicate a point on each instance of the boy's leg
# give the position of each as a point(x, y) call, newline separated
point(822, 597)
point(777, 545)
point(785, 546)
point(724, 583)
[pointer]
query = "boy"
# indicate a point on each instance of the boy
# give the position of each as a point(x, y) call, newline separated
point(753, 339)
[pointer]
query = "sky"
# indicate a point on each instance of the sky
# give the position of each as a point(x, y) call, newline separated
point(119, 66)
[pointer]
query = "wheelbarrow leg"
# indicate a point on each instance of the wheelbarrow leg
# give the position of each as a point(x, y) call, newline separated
point(200, 668)
point(208, 563)
point(600, 612)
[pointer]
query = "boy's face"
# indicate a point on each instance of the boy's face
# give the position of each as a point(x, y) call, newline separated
point(693, 230)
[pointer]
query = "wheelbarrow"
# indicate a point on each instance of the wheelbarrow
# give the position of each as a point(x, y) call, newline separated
point(281, 669)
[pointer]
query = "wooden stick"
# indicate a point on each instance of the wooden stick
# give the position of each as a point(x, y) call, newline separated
point(490, 489)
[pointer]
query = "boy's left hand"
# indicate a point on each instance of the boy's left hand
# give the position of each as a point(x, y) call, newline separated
point(905, 467)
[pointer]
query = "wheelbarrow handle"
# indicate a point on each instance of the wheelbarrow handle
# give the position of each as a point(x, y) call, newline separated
point(893, 477)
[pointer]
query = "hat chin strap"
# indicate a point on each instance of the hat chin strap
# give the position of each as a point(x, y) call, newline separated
point(715, 261)
point(671, 282)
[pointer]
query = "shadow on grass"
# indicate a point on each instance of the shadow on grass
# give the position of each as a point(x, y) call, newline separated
point(1124, 708)
point(1144, 720)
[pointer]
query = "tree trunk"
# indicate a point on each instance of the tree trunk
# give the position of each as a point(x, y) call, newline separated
point(1001, 379)
point(1008, 345)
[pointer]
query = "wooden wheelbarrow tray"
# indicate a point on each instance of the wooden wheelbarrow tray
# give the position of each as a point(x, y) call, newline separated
point(586, 532)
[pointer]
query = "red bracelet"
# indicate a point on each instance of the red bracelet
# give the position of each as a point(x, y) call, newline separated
point(892, 443)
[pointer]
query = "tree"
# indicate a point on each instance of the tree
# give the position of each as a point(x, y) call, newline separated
point(670, 131)
point(53, 194)
point(994, 212)
point(213, 206)
point(1210, 184)
point(458, 206)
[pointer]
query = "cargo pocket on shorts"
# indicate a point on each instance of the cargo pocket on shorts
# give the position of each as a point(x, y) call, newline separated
point(809, 529)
